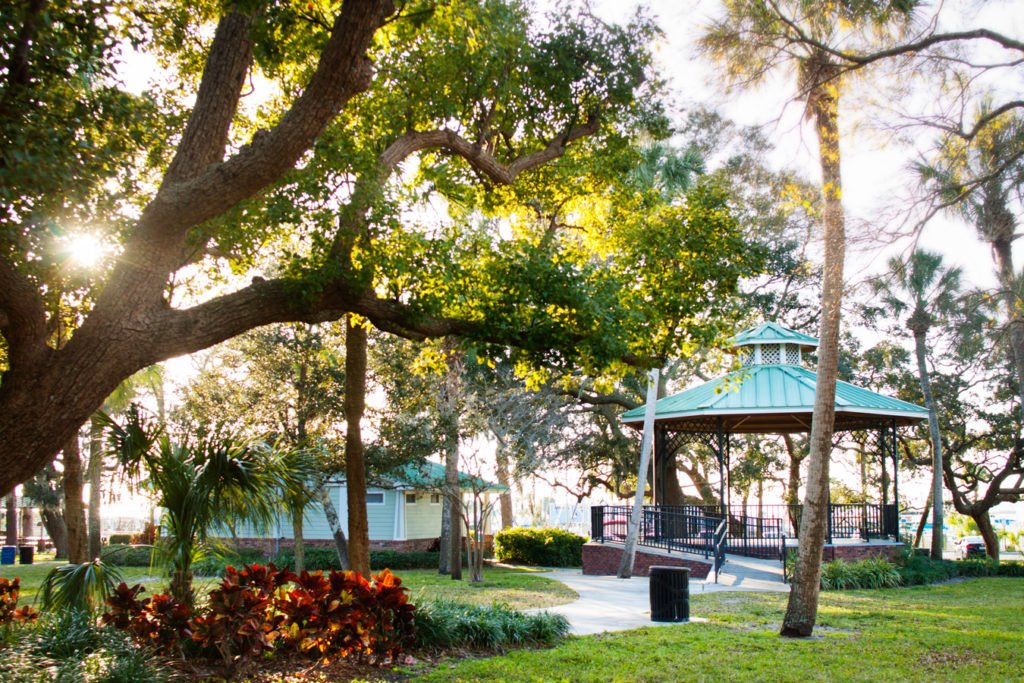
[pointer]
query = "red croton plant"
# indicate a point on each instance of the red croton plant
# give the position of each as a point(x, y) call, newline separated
point(258, 609)
point(9, 610)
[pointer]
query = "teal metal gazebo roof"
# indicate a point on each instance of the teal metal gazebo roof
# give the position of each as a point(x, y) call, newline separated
point(772, 397)
point(773, 333)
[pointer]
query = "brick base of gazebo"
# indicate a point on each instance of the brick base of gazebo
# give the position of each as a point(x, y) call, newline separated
point(602, 559)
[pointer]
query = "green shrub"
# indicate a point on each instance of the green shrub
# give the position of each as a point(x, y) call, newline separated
point(443, 625)
point(128, 555)
point(120, 539)
point(918, 570)
point(70, 647)
point(875, 572)
point(326, 559)
point(539, 547)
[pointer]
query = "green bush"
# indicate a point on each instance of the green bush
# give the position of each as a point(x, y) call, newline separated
point(918, 570)
point(128, 555)
point(326, 559)
point(120, 539)
point(539, 547)
point(875, 572)
point(443, 625)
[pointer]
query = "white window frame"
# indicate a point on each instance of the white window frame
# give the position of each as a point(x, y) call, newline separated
point(435, 498)
point(413, 496)
point(372, 492)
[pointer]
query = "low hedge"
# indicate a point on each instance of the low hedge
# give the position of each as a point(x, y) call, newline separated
point(326, 559)
point(543, 547)
point(445, 625)
point(122, 555)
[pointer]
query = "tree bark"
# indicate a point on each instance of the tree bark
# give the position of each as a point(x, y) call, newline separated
point(74, 510)
point(988, 532)
point(920, 351)
point(924, 520)
point(802, 610)
point(11, 521)
point(331, 512)
point(792, 496)
point(1002, 253)
point(450, 424)
point(505, 499)
point(355, 461)
point(299, 549)
point(95, 488)
point(55, 527)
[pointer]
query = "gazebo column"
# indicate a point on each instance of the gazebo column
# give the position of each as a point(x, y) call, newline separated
point(895, 484)
point(720, 452)
point(661, 458)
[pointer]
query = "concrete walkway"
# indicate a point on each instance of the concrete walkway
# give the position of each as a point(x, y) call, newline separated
point(607, 603)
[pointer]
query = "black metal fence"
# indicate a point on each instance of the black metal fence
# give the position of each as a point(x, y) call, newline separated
point(761, 534)
point(691, 529)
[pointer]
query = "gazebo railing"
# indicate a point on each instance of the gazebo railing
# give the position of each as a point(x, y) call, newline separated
point(673, 529)
point(692, 527)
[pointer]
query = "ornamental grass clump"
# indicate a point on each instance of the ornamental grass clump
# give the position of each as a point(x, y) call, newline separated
point(444, 625)
point(875, 572)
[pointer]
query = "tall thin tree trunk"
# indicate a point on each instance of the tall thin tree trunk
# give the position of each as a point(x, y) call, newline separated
point(95, 487)
point(792, 496)
point(505, 499)
point(74, 510)
point(331, 513)
point(299, 549)
point(450, 425)
point(1002, 253)
point(920, 351)
point(802, 610)
point(355, 462)
point(11, 525)
point(924, 520)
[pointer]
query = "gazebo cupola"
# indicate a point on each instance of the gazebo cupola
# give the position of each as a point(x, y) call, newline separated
point(771, 344)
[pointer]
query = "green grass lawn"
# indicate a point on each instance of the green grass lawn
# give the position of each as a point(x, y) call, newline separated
point(518, 588)
point(966, 631)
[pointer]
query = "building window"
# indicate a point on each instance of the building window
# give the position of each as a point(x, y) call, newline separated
point(410, 498)
point(435, 498)
point(793, 355)
point(746, 356)
point(374, 497)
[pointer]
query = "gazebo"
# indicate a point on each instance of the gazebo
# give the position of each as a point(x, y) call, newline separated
point(771, 393)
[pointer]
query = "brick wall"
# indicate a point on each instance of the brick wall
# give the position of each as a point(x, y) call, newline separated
point(601, 559)
point(852, 553)
point(269, 545)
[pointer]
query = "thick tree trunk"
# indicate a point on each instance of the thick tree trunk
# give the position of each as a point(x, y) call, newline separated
point(673, 489)
point(988, 532)
point(802, 610)
point(355, 461)
point(300, 546)
point(95, 488)
point(331, 513)
point(933, 431)
point(74, 510)
point(11, 519)
point(55, 527)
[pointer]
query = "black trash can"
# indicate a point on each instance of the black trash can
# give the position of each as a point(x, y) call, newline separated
point(670, 593)
point(26, 554)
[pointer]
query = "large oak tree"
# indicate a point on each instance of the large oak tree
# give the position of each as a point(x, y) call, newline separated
point(190, 177)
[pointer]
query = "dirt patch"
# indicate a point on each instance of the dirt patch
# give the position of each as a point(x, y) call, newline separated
point(951, 659)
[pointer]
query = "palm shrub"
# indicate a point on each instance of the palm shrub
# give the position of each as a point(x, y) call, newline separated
point(200, 479)
point(83, 587)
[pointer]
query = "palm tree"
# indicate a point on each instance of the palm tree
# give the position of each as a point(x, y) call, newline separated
point(299, 470)
point(921, 287)
point(979, 179)
point(201, 481)
point(754, 39)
